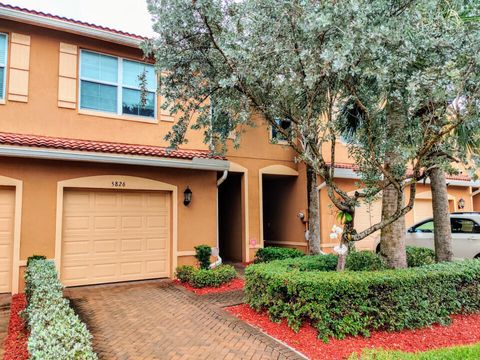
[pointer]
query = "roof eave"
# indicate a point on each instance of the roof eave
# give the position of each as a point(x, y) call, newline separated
point(195, 163)
point(66, 26)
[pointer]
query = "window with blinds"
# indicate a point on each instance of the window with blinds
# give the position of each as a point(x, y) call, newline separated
point(3, 64)
point(117, 85)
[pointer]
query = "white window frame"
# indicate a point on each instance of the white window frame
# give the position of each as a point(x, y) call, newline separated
point(2, 99)
point(119, 85)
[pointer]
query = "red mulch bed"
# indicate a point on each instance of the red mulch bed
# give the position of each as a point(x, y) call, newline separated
point(235, 284)
point(465, 329)
point(16, 341)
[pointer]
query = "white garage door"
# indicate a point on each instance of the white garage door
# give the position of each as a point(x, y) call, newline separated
point(7, 211)
point(422, 209)
point(367, 215)
point(111, 236)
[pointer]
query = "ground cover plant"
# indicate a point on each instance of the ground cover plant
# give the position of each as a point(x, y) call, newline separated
point(56, 332)
point(355, 303)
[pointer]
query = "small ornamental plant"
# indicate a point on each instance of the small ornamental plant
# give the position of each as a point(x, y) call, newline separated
point(201, 278)
point(203, 253)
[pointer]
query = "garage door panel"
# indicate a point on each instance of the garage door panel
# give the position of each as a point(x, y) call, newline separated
point(75, 223)
point(127, 237)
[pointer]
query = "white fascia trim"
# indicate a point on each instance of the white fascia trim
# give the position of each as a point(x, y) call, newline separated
point(54, 154)
point(350, 174)
point(345, 174)
point(67, 26)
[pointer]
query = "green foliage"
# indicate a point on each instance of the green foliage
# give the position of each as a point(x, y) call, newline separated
point(213, 277)
point(465, 352)
point(354, 303)
point(36, 257)
point(364, 260)
point(56, 332)
point(276, 253)
point(418, 256)
point(184, 273)
point(200, 278)
point(202, 254)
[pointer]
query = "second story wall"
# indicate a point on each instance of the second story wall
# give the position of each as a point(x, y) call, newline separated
point(42, 91)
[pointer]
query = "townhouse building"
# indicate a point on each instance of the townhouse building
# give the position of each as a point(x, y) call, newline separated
point(87, 180)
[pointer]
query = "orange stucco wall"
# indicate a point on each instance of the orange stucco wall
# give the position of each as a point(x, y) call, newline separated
point(196, 223)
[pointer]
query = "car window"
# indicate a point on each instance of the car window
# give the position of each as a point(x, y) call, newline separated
point(426, 227)
point(464, 226)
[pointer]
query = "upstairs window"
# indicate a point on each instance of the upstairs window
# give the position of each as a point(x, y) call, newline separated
point(3, 64)
point(114, 85)
point(278, 136)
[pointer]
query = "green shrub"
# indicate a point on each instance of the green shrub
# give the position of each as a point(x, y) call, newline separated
point(36, 257)
point(200, 278)
point(203, 253)
point(354, 303)
point(364, 261)
point(56, 332)
point(184, 273)
point(418, 256)
point(276, 253)
point(213, 277)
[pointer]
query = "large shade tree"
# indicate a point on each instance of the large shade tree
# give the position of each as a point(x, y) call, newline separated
point(303, 61)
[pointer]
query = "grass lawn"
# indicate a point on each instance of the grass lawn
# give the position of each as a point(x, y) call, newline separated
point(466, 352)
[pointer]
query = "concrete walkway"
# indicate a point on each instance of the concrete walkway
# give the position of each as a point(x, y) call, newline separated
point(159, 320)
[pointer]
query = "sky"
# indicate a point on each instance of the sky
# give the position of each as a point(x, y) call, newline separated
point(127, 15)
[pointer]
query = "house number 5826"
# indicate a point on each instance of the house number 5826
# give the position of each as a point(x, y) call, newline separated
point(118, 184)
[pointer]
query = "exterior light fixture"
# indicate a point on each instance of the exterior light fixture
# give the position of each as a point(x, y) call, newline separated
point(187, 196)
point(461, 204)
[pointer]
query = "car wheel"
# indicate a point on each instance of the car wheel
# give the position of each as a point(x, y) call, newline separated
point(477, 256)
point(377, 250)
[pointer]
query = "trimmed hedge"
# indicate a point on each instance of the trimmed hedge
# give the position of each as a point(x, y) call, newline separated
point(276, 253)
point(364, 260)
point(354, 303)
point(419, 256)
point(200, 278)
point(56, 332)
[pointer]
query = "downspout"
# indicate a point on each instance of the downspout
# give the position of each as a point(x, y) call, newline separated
point(219, 259)
point(320, 187)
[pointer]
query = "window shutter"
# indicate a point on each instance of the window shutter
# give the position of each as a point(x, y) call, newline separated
point(67, 76)
point(19, 67)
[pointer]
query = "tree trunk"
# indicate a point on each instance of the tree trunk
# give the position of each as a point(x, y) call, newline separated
point(392, 243)
point(313, 212)
point(441, 216)
point(392, 238)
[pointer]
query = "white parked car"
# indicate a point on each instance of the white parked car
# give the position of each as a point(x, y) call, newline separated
point(465, 234)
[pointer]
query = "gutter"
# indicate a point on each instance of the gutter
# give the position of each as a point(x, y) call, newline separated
point(217, 250)
point(54, 154)
point(38, 20)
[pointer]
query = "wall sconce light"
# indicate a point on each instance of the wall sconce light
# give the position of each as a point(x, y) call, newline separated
point(461, 204)
point(187, 196)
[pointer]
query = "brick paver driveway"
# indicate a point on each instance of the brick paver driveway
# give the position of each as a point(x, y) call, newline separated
point(159, 320)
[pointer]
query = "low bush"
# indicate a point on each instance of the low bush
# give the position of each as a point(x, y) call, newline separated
point(354, 303)
point(418, 256)
point(364, 261)
point(56, 332)
point(201, 278)
point(276, 253)
point(184, 273)
point(202, 254)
